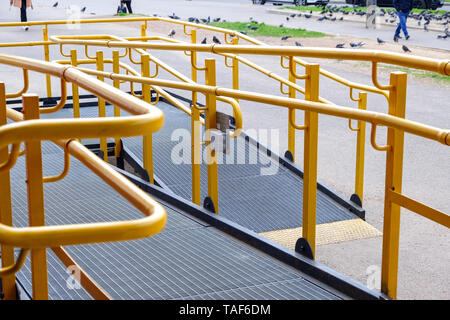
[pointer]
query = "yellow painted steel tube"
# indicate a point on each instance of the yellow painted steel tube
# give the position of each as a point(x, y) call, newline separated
point(55, 129)
point(101, 104)
point(360, 149)
point(47, 58)
point(310, 157)
point(195, 132)
point(393, 182)
point(423, 63)
point(70, 74)
point(75, 90)
point(51, 236)
point(225, 31)
point(6, 218)
point(426, 131)
point(61, 102)
point(26, 85)
point(147, 140)
point(210, 124)
point(35, 192)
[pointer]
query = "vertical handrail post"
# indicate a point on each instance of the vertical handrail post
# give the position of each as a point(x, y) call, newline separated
point(75, 89)
point(291, 114)
point(35, 188)
point(147, 141)
point(310, 157)
point(47, 58)
point(235, 65)
point(7, 252)
point(116, 84)
point(102, 105)
point(195, 131)
point(394, 172)
point(360, 148)
point(144, 29)
point(211, 124)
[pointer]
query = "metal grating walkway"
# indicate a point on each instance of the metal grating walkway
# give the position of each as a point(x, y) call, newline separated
point(187, 260)
point(247, 195)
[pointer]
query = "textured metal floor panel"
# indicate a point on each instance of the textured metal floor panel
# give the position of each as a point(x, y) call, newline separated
point(187, 260)
point(282, 290)
point(59, 281)
point(192, 263)
point(246, 196)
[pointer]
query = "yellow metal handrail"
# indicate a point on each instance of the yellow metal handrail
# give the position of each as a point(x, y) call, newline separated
point(376, 118)
point(375, 56)
point(146, 119)
point(395, 92)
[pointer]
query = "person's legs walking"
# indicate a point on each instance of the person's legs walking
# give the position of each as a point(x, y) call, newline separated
point(401, 25)
point(23, 14)
point(23, 11)
point(128, 3)
point(405, 31)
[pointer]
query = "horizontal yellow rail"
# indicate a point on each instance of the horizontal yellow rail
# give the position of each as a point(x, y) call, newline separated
point(440, 135)
point(185, 24)
point(146, 119)
point(378, 56)
point(52, 236)
point(52, 129)
point(234, 104)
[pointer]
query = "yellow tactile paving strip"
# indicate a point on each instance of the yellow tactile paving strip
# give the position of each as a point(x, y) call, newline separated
point(326, 233)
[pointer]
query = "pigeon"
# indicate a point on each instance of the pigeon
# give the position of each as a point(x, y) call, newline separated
point(171, 33)
point(203, 41)
point(83, 10)
point(55, 5)
point(298, 44)
point(287, 18)
point(285, 37)
point(216, 40)
point(340, 45)
point(405, 48)
point(353, 45)
point(281, 26)
point(380, 41)
point(254, 28)
point(307, 16)
point(442, 36)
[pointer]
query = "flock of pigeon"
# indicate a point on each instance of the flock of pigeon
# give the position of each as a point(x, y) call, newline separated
point(81, 10)
point(424, 17)
point(254, 26)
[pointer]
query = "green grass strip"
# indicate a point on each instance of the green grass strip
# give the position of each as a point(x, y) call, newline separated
point(268, 30)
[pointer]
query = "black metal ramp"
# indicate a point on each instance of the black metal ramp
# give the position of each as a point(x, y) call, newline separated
point(189, 259)
point(256, 190)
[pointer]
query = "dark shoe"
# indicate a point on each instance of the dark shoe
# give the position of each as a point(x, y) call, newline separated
point(407, 37)
point(396, 38)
